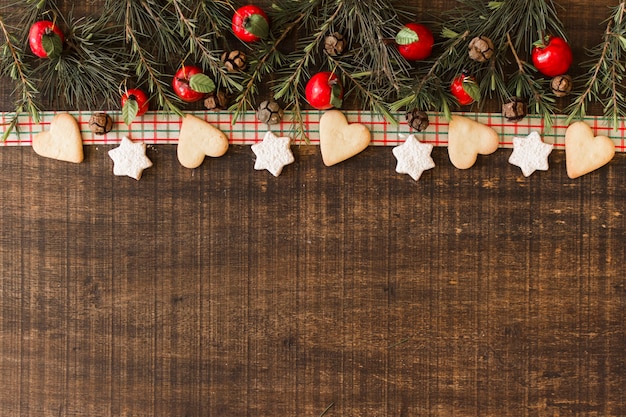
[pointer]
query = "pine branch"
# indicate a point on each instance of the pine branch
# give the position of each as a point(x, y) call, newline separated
point(14, 66)
point(605, 73)
point(139, 20)
point(207, 17)
point(92, 65)
point(525, 85)
point(429, 92)
point(512, 26)
point(269, 58)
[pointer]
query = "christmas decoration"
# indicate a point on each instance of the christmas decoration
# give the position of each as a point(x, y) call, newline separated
point(334, 44)
point(273, 154)
point(530, 153)
point(234, 61)
point(481, 49)
point(134, 104)
point(415, 42)
point(515, 109)
point(512, 28)
point(340, 140)
point(561, 85)
point(417, 120)
point(605, 72)
point(372, 70)
point(198, 139)
point(46, 39)
point(413, 157)
point(465, 89)
point(269, 112)
point(324, 91)
point(585, 152)
point(218, 100)
point(250, 23)
point(129, 159)
point(467, 139)
point(191, 85)
point(100, 123)
point(62, 141)
point(552, 56)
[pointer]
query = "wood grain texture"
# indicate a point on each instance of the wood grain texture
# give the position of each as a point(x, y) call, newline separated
point(224, 291)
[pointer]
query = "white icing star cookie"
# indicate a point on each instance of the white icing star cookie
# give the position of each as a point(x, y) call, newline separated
point(413, 157)
point(530, 153)
point(130, 158)
point(273, 153)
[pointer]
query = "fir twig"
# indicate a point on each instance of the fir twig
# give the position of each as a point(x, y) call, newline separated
point(429, 92)
point(207, 17)
point(605, 73)
point(14, 66)
point(268, 59)
point(525, 85)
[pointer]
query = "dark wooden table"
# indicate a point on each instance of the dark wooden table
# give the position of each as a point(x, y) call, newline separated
point(224, 291)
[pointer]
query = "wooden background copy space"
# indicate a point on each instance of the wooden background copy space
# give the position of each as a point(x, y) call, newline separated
point(224, 291)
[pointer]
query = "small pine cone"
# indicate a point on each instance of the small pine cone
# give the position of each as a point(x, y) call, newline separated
point(216, 101)
point(269, 112)
point(234, 61)
point(481, 49)
point(417, 120)
point(515, 109)
point(561, 85)
point(100, 123)
point(335, 44)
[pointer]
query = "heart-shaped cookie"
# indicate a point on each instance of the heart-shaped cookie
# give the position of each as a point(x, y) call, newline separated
point(340, 140)
point(584, 152)
point(468, 138)
point(198, 139)
point(62, 142)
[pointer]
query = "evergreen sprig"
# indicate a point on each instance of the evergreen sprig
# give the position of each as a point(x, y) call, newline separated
point(372, 70)
point(13, 66)
point(513, 26)
point(202, 23)
point(605, 73)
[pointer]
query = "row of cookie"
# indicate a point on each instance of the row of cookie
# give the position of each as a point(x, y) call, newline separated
point(339, 140)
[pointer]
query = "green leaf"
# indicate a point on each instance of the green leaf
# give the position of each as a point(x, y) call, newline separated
point(130, 110)
point(52, 44)
point(472, 89)
point(257, 25)
point(406, 36)
point(201, 83)
point(335, 97)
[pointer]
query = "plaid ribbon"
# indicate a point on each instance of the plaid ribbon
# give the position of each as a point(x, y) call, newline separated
point(163, 128)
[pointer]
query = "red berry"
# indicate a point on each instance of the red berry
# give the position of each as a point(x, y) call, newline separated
point(180, 84)
point(554, 58)
point(137, 96)
point(324, 91)
point(250, 23)
point(464, 89)
point(421, 45)
point(37, 32)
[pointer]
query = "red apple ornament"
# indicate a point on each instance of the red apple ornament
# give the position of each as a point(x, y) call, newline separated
point(552, 57)
point(465, 89)
point(190, 84)
point(134, 104)
point(45, 39)
point(324, 91)
point(415, 42)
point(250, 23)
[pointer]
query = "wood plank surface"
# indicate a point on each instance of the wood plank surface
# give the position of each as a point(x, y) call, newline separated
point(344, 291)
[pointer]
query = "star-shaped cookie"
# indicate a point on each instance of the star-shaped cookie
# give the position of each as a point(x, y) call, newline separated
point(530, 153)
point(413, 157)
point(130, 158)
point(273, 153)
